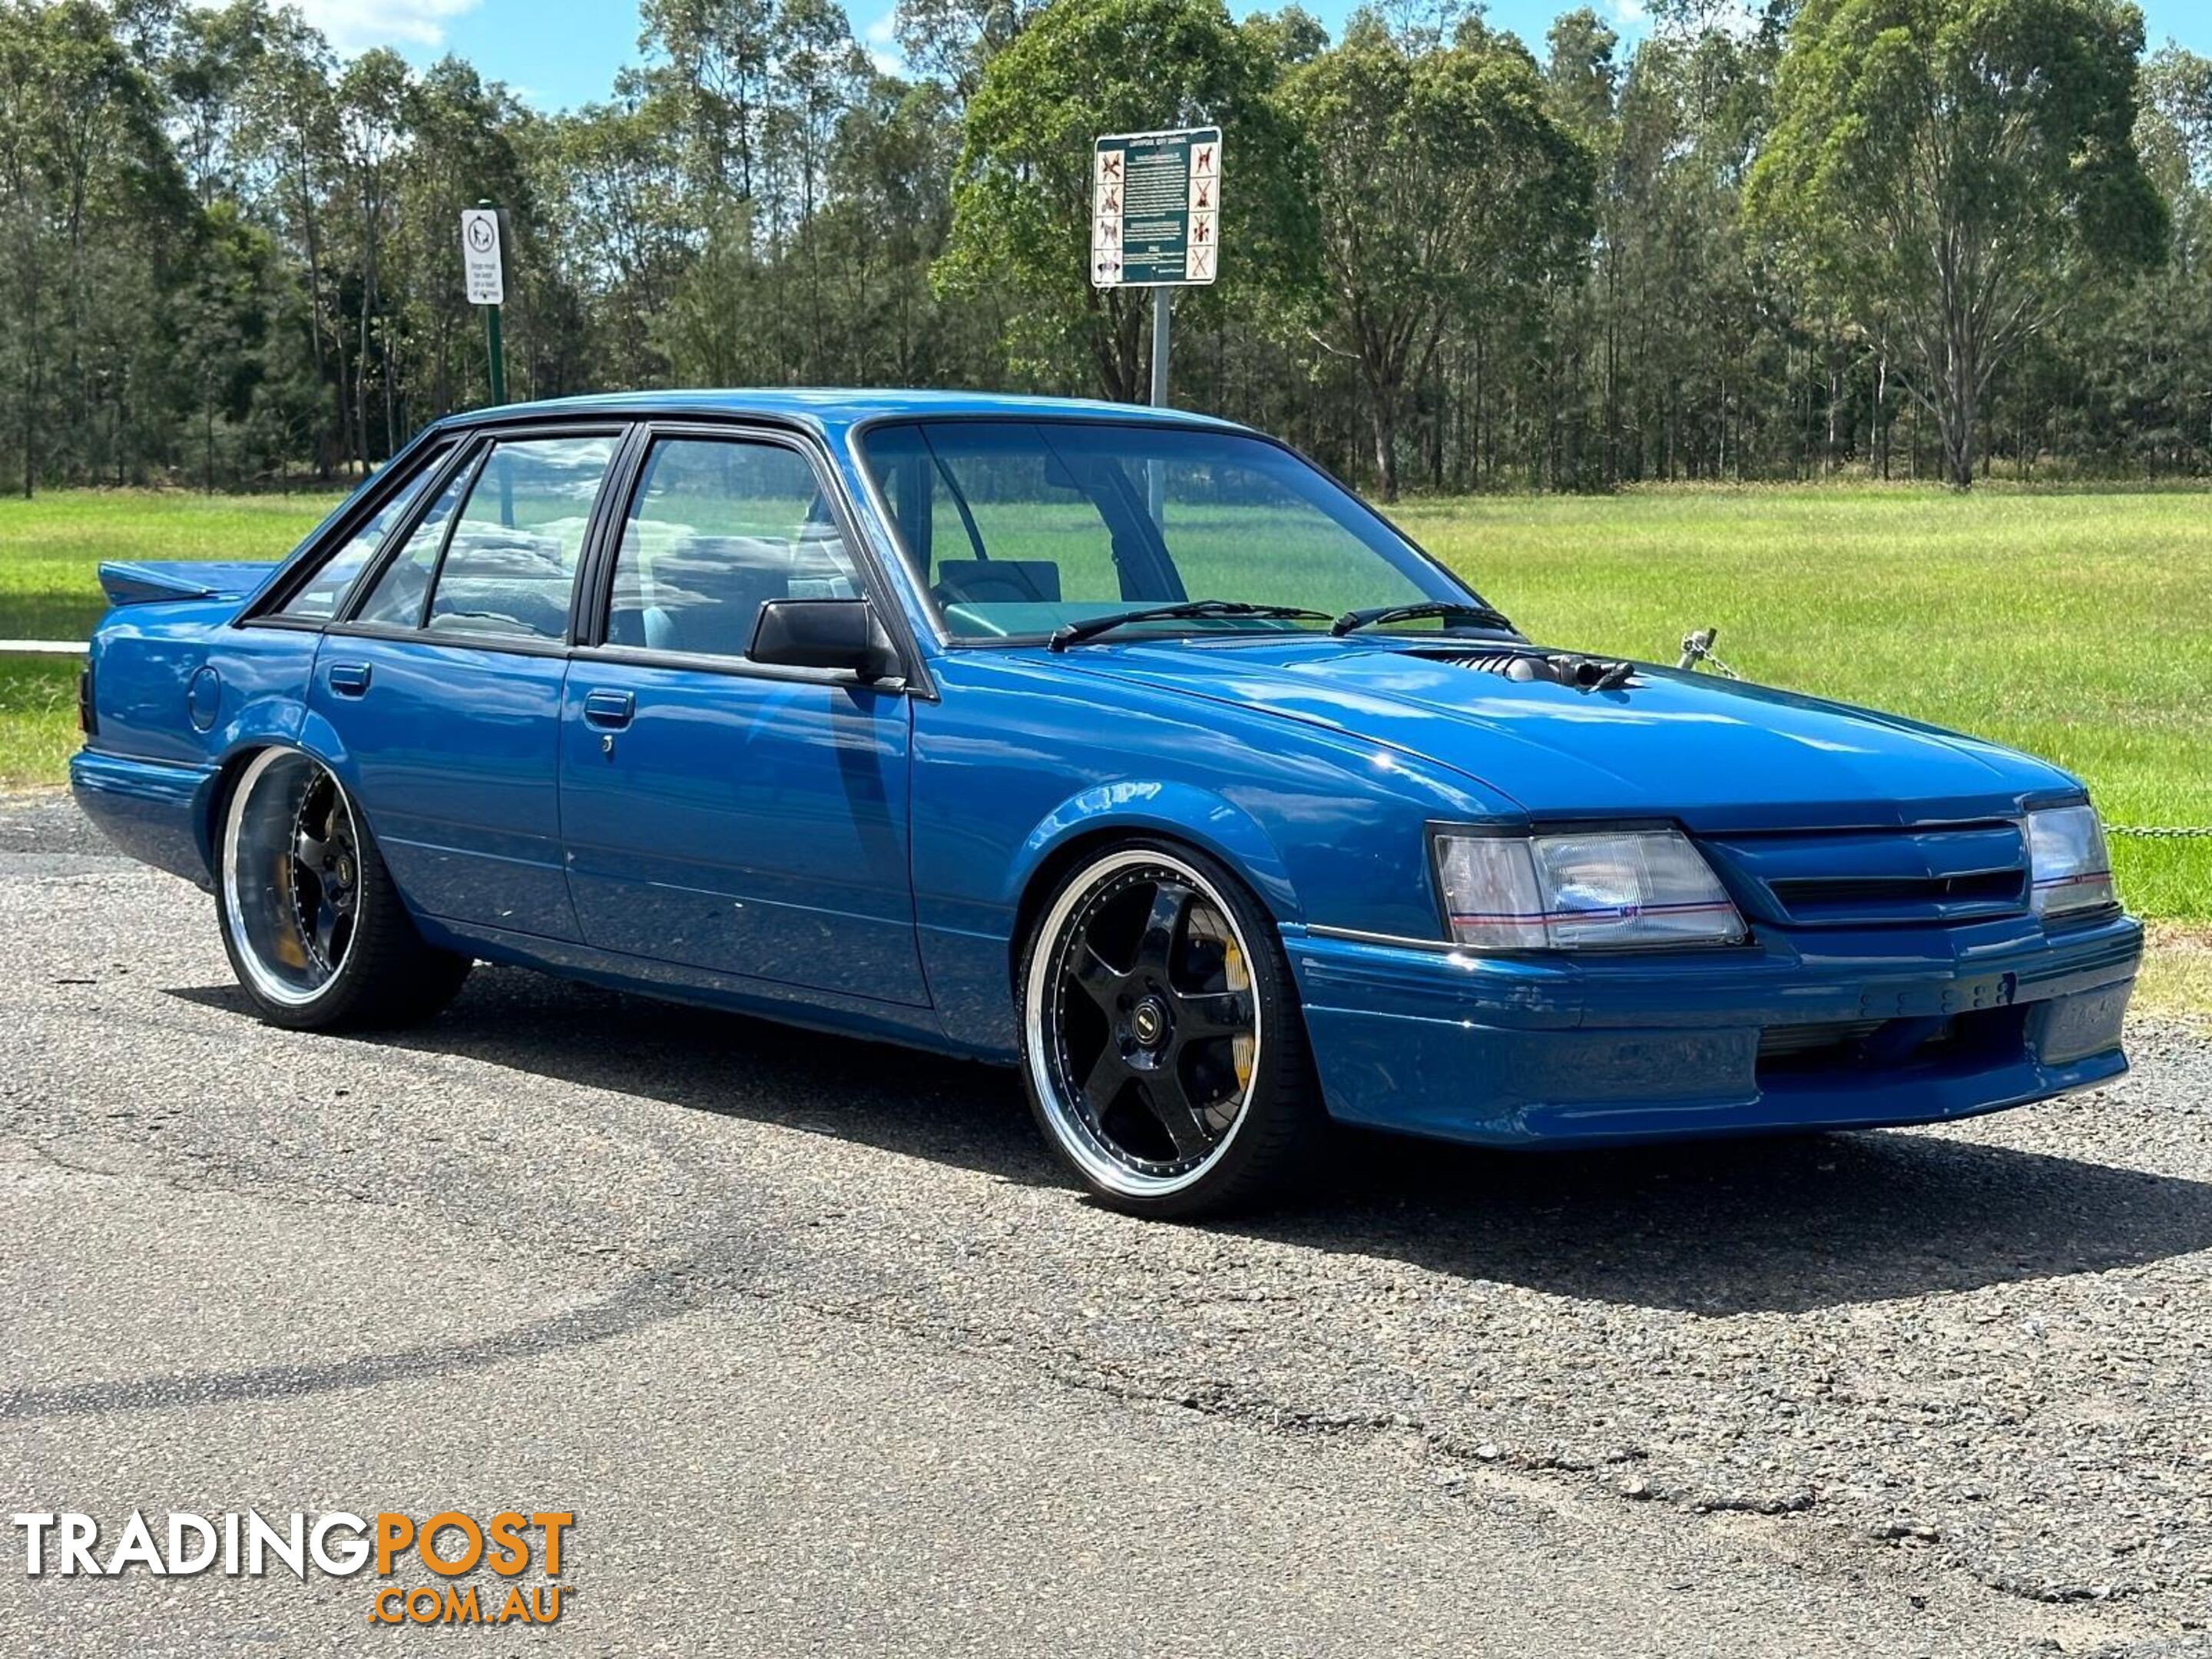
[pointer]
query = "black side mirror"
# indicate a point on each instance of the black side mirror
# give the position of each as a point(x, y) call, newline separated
point(824, 634)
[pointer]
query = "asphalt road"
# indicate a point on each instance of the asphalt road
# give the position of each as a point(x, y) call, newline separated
point(824, 1357)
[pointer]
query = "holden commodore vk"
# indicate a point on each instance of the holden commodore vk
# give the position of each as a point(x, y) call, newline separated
point(1120, 746)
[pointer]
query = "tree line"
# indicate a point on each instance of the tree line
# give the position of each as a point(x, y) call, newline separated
point(1903, 237)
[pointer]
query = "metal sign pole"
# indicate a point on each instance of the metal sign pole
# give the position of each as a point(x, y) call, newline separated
point(492, 340)
point(1160, 297)
point(1156, 479)
point(498, 349)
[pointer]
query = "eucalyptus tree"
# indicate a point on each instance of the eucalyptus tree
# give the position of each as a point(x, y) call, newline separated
point(211, 59)
point(1946, 171)
point(718, 67)
point(291, 164)
point(93, 208)
point(372, 109)
point(2126, 382)
point(464, 144)
point(1446, 193)
point(27, 192)
point(953, 41)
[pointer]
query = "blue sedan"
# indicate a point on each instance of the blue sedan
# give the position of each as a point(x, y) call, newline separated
point(1122, 746)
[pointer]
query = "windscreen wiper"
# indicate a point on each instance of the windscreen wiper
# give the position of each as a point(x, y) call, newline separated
point(1457, 610)
point(1075, 632)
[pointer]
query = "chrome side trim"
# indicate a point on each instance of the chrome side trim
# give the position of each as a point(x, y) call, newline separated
point(1436, 946)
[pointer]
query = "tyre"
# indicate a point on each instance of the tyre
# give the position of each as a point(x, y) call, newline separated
point(314, 929)
point(1162, 1048)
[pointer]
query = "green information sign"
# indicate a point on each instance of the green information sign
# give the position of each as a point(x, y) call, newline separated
point(1156, 209)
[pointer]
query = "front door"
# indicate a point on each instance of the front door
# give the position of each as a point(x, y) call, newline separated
point(441, 690)
point(722, 815)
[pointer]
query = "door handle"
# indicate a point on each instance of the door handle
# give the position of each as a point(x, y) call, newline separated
point(349, 679)
point(609, 710)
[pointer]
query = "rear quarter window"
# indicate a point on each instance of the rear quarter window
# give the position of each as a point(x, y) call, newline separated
point(318, 601)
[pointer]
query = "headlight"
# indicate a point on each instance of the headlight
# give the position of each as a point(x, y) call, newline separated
point(2070, 871)
point(1602, 890)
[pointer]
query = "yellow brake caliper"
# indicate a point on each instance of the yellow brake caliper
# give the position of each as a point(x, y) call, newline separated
point(1239, 978)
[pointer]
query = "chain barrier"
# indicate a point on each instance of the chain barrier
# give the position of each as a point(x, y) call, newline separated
point(1697, 652)
point(1698, 648)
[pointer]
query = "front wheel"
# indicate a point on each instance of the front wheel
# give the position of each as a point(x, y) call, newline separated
point(1163, 1048)
point(315, 930)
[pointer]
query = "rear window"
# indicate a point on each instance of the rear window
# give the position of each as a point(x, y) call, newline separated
point(497, 554)
point(512, 561)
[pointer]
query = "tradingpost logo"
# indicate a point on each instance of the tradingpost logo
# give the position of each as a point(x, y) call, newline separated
point(430, 1556)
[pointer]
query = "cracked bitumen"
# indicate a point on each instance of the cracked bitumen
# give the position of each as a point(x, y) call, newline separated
point(1974, 1363)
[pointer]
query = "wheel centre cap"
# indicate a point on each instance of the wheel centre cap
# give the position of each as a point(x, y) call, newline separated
point(1148, 1023)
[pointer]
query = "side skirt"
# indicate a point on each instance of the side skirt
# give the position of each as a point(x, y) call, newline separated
point(790, 1005)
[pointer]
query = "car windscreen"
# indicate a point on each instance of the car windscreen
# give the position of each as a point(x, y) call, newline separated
point(1016, 528)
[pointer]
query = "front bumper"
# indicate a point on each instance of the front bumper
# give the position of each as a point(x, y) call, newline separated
point(1527, 1051)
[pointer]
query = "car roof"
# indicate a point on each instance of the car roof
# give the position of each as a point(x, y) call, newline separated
point(830, 410)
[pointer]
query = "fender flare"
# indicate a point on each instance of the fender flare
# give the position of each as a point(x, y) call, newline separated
point(1181, 811)
point(270, 725)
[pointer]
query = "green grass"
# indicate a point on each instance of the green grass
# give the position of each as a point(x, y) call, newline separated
point(2077, 624)
point(50, 548)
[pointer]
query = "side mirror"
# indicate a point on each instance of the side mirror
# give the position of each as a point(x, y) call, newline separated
point(824, 634)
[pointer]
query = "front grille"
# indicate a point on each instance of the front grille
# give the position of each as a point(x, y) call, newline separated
point(1868, 1044)
point(1822, 894)
point(1783, 1041)
point(1938, 873)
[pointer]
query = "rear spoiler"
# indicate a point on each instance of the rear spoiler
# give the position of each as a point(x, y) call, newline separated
point(142, 584)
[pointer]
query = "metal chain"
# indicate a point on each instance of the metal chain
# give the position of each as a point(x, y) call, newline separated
point(1697, 648)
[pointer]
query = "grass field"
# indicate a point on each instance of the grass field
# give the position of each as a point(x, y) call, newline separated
point(2076, 624)
point(49, 551)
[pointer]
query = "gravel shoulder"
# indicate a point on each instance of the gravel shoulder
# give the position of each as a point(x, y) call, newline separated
point(813, 1336)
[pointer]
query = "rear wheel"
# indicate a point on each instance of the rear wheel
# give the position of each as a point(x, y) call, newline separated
point(313, 927)
point(1163, 1052)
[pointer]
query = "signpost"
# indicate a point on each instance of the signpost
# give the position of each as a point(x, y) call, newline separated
point(1156, 220)
point(487, 283)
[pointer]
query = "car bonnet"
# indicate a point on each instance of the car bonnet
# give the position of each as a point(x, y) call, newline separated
point(1711, 753)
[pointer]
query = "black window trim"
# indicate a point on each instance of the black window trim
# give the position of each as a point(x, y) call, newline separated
point(478, 442)
point(440, 445)
point(597, 588)
point(476, 471)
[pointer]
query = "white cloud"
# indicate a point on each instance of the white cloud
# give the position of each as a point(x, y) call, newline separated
point(881, 39)
point(1629, 12)
point(357, 24)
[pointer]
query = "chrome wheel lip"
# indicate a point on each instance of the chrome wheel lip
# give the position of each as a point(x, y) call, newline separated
point(263, 980)
point(1098, 1162)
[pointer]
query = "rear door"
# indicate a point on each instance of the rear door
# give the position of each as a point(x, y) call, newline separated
point(718, 812)
point(442, 687)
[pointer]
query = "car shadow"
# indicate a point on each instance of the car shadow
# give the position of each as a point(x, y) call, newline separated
point(1717, 1228)
point(1770, 1225)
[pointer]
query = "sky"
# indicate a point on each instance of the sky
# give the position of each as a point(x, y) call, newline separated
point(558, 53)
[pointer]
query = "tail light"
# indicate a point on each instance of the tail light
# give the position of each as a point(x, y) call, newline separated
point(87, 721)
